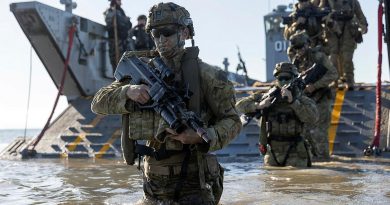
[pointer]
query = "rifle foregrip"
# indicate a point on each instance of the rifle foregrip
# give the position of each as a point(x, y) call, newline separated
point(200, 131)
point(203, 134)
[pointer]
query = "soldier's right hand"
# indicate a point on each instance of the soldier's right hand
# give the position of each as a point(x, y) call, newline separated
point(363, 29)
point(138, 93)
point(264, 103)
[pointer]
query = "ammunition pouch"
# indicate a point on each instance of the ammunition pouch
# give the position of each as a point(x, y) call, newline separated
point(283, 124)
point(214, 175)
point(342, 16)
point(355, 33)
point(159, 154)
point(127, 144)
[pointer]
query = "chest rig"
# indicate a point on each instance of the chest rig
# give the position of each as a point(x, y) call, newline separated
point(282, 123)
point(190, 78)
point(343, 10)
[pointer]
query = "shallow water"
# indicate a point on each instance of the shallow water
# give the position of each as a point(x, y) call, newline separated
point(109, 181)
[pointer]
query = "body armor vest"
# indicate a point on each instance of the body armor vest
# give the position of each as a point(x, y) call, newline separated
point(282, 121)
point(343, 9)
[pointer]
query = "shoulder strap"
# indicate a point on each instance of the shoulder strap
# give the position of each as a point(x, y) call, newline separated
point(191, 75)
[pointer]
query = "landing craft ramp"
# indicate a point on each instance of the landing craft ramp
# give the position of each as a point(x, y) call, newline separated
point(79, 133)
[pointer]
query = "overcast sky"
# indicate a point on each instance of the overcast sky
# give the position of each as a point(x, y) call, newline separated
point(220, 25)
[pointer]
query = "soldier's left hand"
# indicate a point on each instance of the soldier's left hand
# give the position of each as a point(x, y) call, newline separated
point(287, 93)
point(309, 88)
point(364, 29)
point(189, 136)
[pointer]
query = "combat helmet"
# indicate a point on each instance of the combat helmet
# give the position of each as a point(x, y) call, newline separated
point(285, 67)
point(141, 17)
point(169, 13)
point(299, 39)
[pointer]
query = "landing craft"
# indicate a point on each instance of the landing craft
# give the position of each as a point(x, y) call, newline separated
point(79, 133)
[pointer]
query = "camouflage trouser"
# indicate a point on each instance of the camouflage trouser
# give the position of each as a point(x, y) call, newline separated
point(342, 47)
point(318, 132)
point(297, 157)
point(160, 183)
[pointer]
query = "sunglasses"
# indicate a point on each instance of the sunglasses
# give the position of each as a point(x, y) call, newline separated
point(284, 78)
point(166, 31)
point(298, 47)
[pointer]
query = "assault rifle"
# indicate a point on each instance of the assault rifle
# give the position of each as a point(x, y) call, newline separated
point(306, 13)
point(307, 77)
point(165, 99)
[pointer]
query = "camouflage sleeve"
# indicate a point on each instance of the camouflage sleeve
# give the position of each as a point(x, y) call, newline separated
point(291, 53)
point(360, 15)
point(331, 73)
point(290, 29)
point(306, 109)
point(112, 99)
point(220, 98)
point(247, 104)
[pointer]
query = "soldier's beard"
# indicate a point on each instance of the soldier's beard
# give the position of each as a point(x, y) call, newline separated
point(167, 51)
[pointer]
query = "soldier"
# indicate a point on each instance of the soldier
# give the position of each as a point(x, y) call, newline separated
point(184, 173)
point(118, 26)
point(138, 38)
point(344, 28)
point(304, 58)
point(311, 23)
point(281, 122)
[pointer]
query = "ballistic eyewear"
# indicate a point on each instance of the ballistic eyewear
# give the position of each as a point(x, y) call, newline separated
point(165, 31)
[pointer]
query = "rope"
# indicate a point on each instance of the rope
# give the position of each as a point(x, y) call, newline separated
point(71, 32)
point(375, 142)
point(28, 96)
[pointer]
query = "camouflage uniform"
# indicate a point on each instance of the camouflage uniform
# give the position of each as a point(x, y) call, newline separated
point(203, 183)
point(318, 132)
point(342, 35)
point(123, 27)
point(281, 126)
point(312, 25)
point(138, 38)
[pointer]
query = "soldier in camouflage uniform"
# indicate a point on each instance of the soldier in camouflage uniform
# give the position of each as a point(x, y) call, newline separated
point(138, 38)
point(281, 123)
point(115, 16)
point(344, 28)
point(312, 24)
point(304, 58)
point(186, 173)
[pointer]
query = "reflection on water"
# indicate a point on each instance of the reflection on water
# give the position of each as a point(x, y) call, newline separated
point(111, 182)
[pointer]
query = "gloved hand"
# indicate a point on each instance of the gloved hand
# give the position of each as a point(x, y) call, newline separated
point(363, 29)
point(264, 103)
point(262, 149)
point(309, 88)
